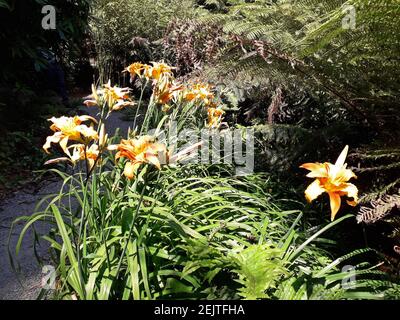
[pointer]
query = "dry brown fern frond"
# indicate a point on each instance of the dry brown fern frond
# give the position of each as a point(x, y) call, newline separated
point(192, 44)
point(379, 209)
point(276, 103)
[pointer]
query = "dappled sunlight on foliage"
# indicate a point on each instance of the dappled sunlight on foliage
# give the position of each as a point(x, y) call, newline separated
point(203, 195)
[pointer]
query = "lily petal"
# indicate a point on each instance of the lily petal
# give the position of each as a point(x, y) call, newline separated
point(351, 191)
point(112, 147)
point(345, 174)
point(63, 145)
point(318, 170)
point(314, 190)
point(90, 103)
point(55, 138)
point(335, 202)
point(129, 170)
point(91, 163)
point(87, 132)
point(87, 118)
point(342, 157)
point(52, 161)
point(153, 159)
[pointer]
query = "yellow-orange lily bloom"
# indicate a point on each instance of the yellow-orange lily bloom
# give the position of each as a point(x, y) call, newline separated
point(214, 117)
point(200, 92)
point(117, 98)
point(90, 154)
point(157, 71)
point(139, 151)
point(135, 69)
point(332, 179)
point(70, 129)
point(167, 92)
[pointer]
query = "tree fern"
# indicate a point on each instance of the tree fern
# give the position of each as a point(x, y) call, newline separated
point(357, 66)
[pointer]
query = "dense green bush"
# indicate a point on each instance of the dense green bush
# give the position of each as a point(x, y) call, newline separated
point(131, 30)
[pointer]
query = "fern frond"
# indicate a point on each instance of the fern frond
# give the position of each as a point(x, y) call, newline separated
point(379, 209)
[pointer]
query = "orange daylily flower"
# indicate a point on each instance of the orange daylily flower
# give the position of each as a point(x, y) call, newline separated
point(135, 69)
point(167, 92)
point(117, 98)
point(70, 129)
point(157, 71)
point(200, 92)
point(332, 179)
point(214, 117)
point(139, 151)
point(91, 155)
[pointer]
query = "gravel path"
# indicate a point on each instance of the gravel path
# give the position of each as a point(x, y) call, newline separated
point(23, 203)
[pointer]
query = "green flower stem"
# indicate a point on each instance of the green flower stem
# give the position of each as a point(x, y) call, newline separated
point(139, 104)
point(78, 248)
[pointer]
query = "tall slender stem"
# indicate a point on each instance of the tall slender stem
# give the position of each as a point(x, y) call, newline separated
point(149, 113)
point(139, 104)
point(79, 240)
point(86, 164)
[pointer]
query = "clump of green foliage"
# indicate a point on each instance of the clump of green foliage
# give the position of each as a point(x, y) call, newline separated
point(131, 30)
